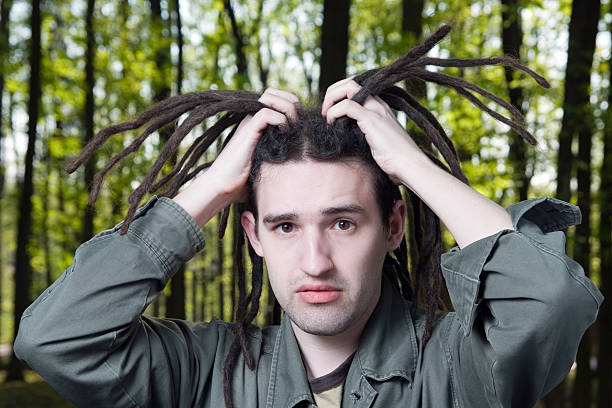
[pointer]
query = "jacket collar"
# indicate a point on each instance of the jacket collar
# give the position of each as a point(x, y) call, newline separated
point(388, 348)
point(388, 345)
point(288, 385)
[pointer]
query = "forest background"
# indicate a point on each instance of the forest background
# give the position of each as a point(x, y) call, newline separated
point(71, 67)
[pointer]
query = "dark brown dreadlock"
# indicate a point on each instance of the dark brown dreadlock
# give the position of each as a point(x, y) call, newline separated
point(235, 105)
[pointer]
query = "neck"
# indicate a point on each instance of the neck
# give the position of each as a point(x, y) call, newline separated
point(323, 354)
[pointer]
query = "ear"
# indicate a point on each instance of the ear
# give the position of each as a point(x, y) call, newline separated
point(396, 225)
point(247, 219)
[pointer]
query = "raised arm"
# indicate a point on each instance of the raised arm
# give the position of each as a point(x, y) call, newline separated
point(86, 335)
point(467, 214)
point(521, 305)
point(225, 181)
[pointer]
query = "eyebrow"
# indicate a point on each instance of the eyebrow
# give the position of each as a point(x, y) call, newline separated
point(343, 209)
point(273, 219)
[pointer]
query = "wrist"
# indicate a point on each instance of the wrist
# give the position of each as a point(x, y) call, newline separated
point(414, 168)
point(203, 198)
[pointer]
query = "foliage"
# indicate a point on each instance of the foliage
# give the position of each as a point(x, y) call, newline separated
point(282, 49)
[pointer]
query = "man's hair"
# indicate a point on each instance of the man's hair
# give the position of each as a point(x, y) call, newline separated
point(309, 137)
point(318, 142)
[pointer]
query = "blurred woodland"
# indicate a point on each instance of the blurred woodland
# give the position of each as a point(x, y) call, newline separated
point(71, 67)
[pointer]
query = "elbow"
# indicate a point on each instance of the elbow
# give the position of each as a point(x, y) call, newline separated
point(572, 301)
point(29, 345)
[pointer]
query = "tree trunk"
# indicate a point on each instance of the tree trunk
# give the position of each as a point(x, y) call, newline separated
point(161, 49)
point(240, 43)
point(175, 302)
point(219, 274)
point(88, 122)
point(236, 230)
point(179, 44)
point(45, 194)
point(160, 29)
point(582, 33)
point(5, 8)
point(512, 41)
point(581, 394)
point(66, 242)
point(334, 43)
point(604, 360)
point(263, 70)
point(195, 283)
point(23, 272)
point(577, 122)
point(412, 30)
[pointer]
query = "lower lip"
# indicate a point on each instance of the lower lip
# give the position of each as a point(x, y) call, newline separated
point(319, 296)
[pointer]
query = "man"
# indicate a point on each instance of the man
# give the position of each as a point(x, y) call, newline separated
point(348, 337)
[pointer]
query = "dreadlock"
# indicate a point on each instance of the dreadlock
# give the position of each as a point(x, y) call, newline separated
point(233, 106)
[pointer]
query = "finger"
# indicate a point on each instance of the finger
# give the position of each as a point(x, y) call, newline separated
point(344, 89)
point(376, 104)
point(280, 104)
point(341, 82)
point(264, 118)
point(243, 122)
point(284, 94)
point(348, 108)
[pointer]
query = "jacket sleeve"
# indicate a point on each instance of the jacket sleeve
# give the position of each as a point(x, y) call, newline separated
point(85, 334)
point(521, 305)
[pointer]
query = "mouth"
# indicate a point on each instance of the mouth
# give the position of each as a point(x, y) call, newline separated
point(318, 293)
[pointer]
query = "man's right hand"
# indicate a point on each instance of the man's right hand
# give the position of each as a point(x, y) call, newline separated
point(225, 181)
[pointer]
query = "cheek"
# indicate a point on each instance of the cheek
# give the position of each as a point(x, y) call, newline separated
point(365, 255)
point(279, 263)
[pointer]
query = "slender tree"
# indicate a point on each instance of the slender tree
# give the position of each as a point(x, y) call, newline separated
point(512, 41)
point(5, 7)
point(160, 28)
point(604, 360)
point(412, 28)
point(219, 275)
point(581, 45)
point(44, 222)
point(577, 123)
point(240, 43)
point(23, 271)
point(262, 68)
point(161, 41)
point(88, 122)
point(179, 44)
point(334, 42)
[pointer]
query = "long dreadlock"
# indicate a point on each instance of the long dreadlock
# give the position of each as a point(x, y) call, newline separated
point(235, 105)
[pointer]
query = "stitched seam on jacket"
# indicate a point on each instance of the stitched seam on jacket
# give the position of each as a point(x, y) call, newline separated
point(273, 373)
point(61, 279)
point(559, 256)
point(159, 259)
point(118, 378)
point(47, 293)
point(195, 234)
point(473, 280)
point(449, 358)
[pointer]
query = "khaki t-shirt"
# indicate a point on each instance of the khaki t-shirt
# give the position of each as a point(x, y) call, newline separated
point(327, 389)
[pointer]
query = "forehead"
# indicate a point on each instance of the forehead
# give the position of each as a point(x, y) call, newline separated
point(307, 186)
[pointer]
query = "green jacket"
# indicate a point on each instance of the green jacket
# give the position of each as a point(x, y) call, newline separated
point(521, 307)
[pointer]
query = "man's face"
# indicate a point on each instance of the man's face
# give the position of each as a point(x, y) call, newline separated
point(320, 232)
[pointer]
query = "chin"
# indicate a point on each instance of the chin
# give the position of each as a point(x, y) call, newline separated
point(325, 324)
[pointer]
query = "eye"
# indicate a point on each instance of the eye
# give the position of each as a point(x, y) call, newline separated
point(344, 225)
point(285, 227)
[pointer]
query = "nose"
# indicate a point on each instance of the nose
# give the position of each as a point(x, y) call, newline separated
point(316, 257)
